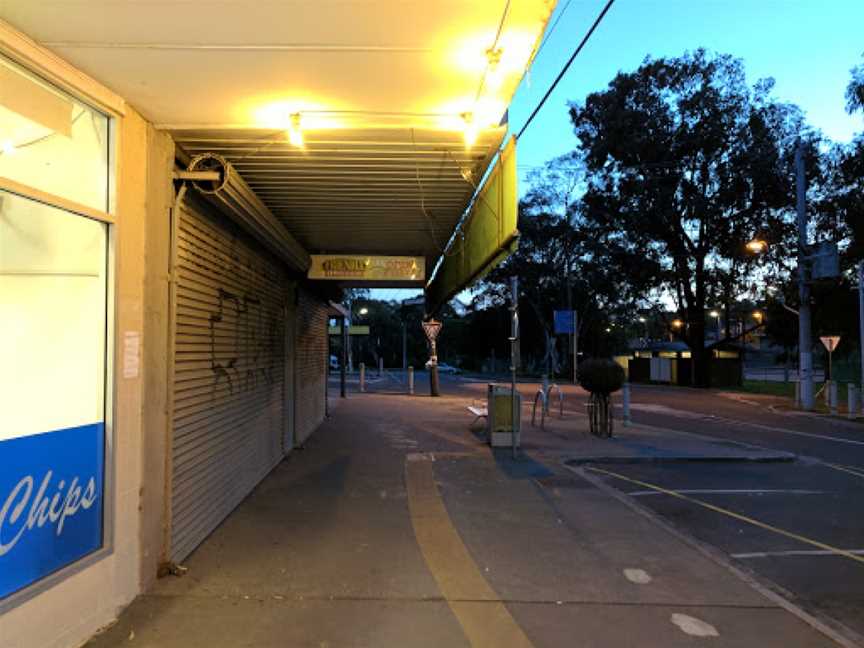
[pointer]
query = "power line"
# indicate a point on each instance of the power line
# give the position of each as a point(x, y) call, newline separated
point(573, 56)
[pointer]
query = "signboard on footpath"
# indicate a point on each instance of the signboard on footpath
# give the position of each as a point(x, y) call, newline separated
point(357, 267)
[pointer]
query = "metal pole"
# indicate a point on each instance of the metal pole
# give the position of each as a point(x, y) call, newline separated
point(575, 348)
point(434, 383)
point(832, 397)
point(343, 365)
point(625, 401)
point(514, 337)
point(362, 377)
point(411, 380)
point(805, 365)
point(851, 400)
point(348, 337)
point(404, 347)
point(861, 325)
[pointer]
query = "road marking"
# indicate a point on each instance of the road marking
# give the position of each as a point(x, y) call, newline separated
point(732, 514)
point(729, 491)
point(484, 618)
point(684, 414)
point(638, 576)
point(846, 469)
point(800, 552)
point(693, 626)
point(771, 428)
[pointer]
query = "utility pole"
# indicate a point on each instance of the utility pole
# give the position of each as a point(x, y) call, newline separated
point(805, 360)
point(514, 341)
point(861, 322)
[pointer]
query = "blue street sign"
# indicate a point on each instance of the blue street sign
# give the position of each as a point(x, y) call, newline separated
point(564, 321)
point(51, 489)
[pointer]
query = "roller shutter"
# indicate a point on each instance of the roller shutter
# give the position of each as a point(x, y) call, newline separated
point(229, 371)
point(311, 364)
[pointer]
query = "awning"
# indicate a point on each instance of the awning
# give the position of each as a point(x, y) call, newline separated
point(488, 234)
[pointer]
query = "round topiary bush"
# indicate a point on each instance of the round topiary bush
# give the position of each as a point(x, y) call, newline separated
point(601, 376)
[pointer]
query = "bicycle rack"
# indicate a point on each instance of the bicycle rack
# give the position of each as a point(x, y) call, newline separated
point(544, 396)
point(543, 407)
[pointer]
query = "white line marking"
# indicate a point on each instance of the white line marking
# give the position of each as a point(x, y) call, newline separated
point(693, 626)
point(638, 576)
point(799, 552)
point(728, 491)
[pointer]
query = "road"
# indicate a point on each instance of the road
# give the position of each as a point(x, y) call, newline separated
point(799, 525)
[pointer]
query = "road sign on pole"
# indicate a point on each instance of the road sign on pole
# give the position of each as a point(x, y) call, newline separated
point(431, 328)
point(830, 342)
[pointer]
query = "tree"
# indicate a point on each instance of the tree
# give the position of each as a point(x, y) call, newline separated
point(686, 163)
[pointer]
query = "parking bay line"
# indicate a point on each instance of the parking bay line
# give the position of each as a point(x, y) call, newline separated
point(730, 491)
point(800, 552)
point(846, 469)
point(732, 514)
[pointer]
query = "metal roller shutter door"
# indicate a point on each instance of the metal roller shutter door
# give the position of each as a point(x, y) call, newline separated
point(229, 366)
point(311, 364)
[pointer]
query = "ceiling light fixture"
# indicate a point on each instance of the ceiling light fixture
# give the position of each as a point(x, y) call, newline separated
point(295, 131)
point(7, 147)
point(494, 70)
point(470, 129)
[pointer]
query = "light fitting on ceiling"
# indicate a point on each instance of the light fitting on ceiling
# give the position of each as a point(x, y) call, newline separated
point(295, 131)
point(7, 147)
point(469, 129)
point(494, 71)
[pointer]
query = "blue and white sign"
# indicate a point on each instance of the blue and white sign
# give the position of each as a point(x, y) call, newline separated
point(565, 321)
point(51, 489)
point(53, 340)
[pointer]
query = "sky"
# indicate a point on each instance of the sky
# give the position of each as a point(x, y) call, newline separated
point(807, 46)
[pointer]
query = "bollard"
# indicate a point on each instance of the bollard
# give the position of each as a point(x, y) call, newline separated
point(832, 397)
point(797, 393)
point(380, 366)
point(545, 394)
point(411, 380)
point(362, 377)
point(625, 401)
point(852, 400)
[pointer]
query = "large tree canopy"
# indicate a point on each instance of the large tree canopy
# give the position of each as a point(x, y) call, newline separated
point(685, 163)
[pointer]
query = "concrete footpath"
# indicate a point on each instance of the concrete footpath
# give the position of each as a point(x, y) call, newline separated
point(397, 527)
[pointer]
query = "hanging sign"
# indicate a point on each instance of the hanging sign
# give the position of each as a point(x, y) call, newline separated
point(830, 342)
point(362, 267)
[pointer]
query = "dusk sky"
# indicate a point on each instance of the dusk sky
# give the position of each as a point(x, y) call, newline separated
point(807, 46)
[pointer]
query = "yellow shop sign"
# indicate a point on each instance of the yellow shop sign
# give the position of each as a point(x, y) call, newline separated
point(350, 267)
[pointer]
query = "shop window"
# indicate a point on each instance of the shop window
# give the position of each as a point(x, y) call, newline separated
point(50, 141)
point(53, 323)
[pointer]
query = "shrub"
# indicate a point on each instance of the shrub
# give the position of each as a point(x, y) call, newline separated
point(601, 376)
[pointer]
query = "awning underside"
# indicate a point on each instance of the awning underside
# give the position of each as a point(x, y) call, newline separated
point(368, 191)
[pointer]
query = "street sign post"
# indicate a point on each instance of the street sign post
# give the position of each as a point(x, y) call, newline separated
point(432, 328)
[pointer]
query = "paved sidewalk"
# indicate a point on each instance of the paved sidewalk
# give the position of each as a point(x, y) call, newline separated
point(396, 526)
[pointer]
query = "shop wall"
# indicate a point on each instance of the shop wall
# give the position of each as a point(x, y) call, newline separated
point(72, 610)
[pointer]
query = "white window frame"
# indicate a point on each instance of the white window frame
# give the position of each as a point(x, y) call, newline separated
point(47, 66)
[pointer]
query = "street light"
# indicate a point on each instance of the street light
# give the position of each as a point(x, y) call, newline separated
point(758, 316)
point(756, 246)
point(677, 323)
point(364, 311)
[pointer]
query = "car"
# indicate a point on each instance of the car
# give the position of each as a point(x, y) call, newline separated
point(443, 367)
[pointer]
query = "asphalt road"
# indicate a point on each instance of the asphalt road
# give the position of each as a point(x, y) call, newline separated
point(798, 514)
point(798, 525)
